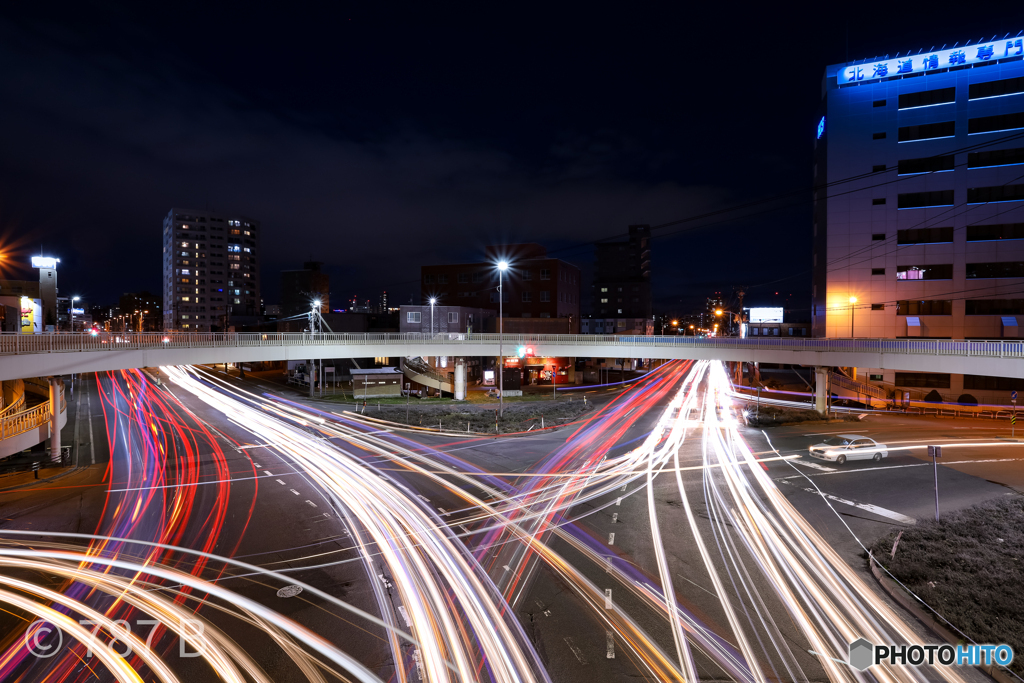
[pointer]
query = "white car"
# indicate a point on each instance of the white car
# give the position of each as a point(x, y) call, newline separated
point(843, 447)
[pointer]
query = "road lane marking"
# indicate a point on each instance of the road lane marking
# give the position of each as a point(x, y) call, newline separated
point(293, 490)
point(867, 507)
point(575, 650)
point(268, 473)
point(814, 465)
point(611, 538)
point(92, 447)
point(311, 503)
point(607, 598)
point(896, 467)
point(615, 518)
point(609, 638)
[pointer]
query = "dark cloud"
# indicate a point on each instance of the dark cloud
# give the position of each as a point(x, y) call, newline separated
point(377, 144)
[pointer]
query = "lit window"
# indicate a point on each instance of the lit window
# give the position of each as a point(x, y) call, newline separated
point(184, 253)
point(604, 301)
point(234, 266)
point(185, 271)
point(412, 317)
point(184, 298)
point(604, 289)
point(453, 316)
point(184, 245)
point(235, 248)
point(238, 301)
point(247, 250)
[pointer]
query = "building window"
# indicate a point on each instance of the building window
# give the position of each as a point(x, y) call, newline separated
point(982, 383)
point(927, 98)
point(545, 315)
point(924, 235)
point(753, 331)
point(997, 193)
point(527, 275)
point(874, 378)
point(877, 307)
point(878, 103)
point(527, 296)
point(878, 136)
point(453, 317)
point(923, 380)
point(934, 272)
point(545, 296)
point(935, 164)
point(463, 278)
point(878, 237)
point(878, 168)
point(926, 307)
point(993, 124)
point(1007, 86)
point(428, 279)
point(604, 301)
point(184, 245)
point(526, 315)
point(412, 316)
point(545, 274)
point(478, 277)
point(923, 200)
point(604, 289)
point(878, 201)
point(989, 233)
point(994, 307)
point(997, 157)
point(978, 271)
point(927, 131)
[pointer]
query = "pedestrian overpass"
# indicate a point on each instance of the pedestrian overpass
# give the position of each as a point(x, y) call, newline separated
point(23, 356)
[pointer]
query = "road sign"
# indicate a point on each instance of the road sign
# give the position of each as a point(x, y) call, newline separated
point(1013, 396)
point(935, 451)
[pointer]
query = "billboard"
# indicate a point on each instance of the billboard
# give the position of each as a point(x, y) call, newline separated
point(766, 315)
point(44, 262)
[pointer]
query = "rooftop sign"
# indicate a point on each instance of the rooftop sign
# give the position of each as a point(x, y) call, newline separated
point(44, 262)
point(932, 61)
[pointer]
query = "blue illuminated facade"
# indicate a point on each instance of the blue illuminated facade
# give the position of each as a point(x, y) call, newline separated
point(919, 199)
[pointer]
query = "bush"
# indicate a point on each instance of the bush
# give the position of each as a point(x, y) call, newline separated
point(967, 400)
point(968, 568)
point(933, 397)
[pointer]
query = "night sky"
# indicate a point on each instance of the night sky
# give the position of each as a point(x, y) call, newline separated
point(377, 141)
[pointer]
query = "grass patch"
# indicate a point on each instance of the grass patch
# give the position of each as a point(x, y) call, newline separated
point(775, 416)
point(969, 568)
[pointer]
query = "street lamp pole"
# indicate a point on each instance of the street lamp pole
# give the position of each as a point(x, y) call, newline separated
point(502, 267)
point(432, 302)
point(853, 300)
point(73, 300)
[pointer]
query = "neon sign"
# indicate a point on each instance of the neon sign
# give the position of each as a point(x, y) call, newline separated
point(923, 63)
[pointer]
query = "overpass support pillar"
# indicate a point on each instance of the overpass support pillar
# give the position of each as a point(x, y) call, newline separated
point(737, 373)
point(821, 389)
point(460, 379)
point(54, 383)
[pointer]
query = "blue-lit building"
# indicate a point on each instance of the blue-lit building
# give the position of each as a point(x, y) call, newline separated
point(919, 202)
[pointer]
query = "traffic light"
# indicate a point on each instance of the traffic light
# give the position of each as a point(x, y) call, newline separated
point(521, 351)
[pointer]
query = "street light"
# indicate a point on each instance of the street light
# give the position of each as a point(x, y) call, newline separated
point(502, 267)
point(853, 300)
point(73, 300)
point(432, 302)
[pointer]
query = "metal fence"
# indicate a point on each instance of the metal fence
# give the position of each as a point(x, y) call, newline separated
point(14, 343)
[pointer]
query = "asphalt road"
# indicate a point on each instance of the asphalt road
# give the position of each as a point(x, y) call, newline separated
point(271, 514)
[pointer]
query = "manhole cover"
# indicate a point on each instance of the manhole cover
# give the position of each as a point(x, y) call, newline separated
point(289, 591)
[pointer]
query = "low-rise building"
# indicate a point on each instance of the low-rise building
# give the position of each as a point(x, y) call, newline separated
point(376, 382)
point(634, 326)
point(445, 319)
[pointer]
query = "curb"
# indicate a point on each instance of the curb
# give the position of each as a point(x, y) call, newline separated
point(911, 605)
point(398, 426)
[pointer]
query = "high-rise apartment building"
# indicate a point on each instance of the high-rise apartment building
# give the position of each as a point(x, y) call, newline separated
point(300, 288)
point(622, 279)
point(211, 269)
point(919, 203)
point(537, 287)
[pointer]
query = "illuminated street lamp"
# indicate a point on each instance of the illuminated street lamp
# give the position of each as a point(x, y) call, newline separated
point(432, 302)
point(853, 300)
point(502, 267)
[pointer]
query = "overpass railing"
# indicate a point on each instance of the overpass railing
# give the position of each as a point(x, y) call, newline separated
point(14, 343)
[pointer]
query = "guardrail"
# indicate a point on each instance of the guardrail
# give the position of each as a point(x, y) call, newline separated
point(15, 344)
point(838, 380)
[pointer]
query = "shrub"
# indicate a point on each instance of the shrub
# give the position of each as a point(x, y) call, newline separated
point(967, 399)
point(933, 397)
